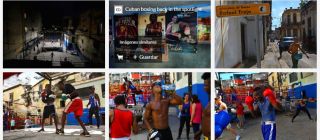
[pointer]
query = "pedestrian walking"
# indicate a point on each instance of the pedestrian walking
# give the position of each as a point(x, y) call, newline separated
point(295, 55)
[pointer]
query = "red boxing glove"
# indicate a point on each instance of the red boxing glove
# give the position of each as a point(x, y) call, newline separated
point(43, 94)
point(249, 101)
point(269, 93)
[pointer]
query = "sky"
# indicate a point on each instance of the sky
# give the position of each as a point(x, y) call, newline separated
point(278, 6)
point(226, 76)
point(29, 78)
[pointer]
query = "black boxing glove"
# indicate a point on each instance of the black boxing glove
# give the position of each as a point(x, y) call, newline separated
point(154, 135)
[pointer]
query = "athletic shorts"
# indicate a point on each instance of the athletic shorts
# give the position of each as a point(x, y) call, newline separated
point(269, 131)
point(48, 111)
point(165, 134)
point(75, 106)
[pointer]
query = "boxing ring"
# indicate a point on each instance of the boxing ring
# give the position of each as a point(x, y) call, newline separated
point(52, 44)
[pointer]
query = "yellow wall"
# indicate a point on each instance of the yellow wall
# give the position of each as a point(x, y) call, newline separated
point(274, 82)
point(79, 83)
point(305, 80)
point(18, 103)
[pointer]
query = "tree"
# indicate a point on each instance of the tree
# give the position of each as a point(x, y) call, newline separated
point(303, 3)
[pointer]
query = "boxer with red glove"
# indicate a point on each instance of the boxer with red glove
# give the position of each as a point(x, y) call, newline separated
point(48, 97)
point(264, 99)
point(268, 93)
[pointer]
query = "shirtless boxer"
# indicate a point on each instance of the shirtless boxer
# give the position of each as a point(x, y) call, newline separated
point(157, 111)
point(206, 114)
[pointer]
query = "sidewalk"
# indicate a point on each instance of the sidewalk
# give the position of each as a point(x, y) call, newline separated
point(301, 129)
point(271, 59)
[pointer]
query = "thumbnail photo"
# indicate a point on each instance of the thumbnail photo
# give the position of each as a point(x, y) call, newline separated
point(159, 105)
point(265, 106)
point(53, 106)
point(54, 34)
point(154, 34)
point(267, 34)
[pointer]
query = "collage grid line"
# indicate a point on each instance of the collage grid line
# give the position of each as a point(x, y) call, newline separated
point(109, 70)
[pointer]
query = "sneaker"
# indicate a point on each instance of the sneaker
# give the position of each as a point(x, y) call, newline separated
point(86, 134)
point(41, 130)
point(57, 131)
point(237, 137)
point(60, 131)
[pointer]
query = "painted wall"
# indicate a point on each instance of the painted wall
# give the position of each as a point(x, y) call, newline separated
point(228, 50)
point(18, 103)
point(197, 87)
point(309, 84)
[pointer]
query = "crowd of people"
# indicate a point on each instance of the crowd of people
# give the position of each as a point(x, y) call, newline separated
point(261, 101)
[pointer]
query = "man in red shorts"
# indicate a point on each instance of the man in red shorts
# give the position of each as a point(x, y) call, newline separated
point(75, 105)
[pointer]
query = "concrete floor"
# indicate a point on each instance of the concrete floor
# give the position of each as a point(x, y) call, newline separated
point(77, 61)
point(272, 59)
point(71, 133)
point(301, 129)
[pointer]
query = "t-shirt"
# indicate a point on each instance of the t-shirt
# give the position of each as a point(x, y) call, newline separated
point(13, 122)
point(267, 110)
point(175, 28)
point(46, 99)
point(234, 96)
point(185, 111)
point(28, 122)
point(68, 89)
point(93, 102)
point(240, 109)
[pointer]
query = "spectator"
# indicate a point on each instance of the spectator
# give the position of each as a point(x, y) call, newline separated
point(185, 115)
point(12, 124)
point(94, 102)
point(240, 114)
point(122, 120)
point(196, 114)
point(27, 123)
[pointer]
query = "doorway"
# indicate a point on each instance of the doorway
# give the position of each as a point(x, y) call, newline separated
point(243, 41)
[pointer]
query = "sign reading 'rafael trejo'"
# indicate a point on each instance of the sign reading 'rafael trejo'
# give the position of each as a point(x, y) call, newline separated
point(243, 10)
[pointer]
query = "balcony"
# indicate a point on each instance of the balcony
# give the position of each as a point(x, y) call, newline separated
point(291, 24)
